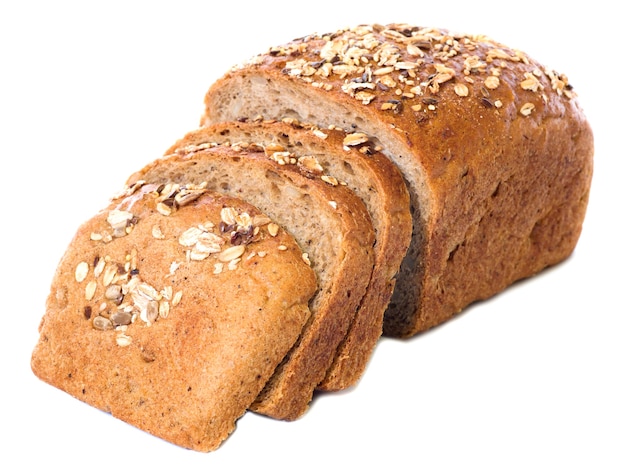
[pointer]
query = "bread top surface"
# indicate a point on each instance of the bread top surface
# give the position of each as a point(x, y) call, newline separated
point(174, 322)
point(441, 96)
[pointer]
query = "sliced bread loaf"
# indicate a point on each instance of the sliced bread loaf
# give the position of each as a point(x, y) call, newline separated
point(374, 179)
point(163, 316)
point(331, 225)
point(494, 147)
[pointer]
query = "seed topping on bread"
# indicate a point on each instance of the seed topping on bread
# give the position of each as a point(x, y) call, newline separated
point(308, 165)
point(116, 296)
point(397, 66)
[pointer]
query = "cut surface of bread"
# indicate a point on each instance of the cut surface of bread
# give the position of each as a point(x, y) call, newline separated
point(171, 309)
point(374, 179)
point(331, 225)
point(495, 150)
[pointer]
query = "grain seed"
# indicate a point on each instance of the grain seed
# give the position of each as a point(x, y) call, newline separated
point(101, 323)
point(527, 109)
point(177, 297)
point(273, 229)
point(90, 290)
point(123, 340)
point(82, 269)
point(164, 309)
point(157, 233)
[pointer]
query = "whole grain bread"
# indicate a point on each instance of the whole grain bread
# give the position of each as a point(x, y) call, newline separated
point(374, 179)
point(494, 146)
point(328, 221)
point(171, 309)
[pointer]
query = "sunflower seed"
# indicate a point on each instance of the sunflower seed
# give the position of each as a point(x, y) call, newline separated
point(82, 269)
point(101, 323)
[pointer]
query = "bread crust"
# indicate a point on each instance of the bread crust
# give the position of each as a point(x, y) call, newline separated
point(188, 371)
point(373, 178)
point(495, 148)
point(289, 391)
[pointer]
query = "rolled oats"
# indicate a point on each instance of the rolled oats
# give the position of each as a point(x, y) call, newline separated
point(354, 139)
point(273, 229)
point(527, 109)
point(231, 253)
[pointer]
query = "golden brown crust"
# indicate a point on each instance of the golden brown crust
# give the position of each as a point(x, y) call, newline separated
point(198, 332)
point(372, 177)
point(249, 174)
point(496, 151)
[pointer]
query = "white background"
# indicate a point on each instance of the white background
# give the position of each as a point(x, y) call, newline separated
point(528, 382)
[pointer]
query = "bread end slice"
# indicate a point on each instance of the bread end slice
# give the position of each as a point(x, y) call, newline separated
point(171, 309)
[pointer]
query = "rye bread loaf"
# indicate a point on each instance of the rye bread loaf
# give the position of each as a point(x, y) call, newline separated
point(494, 147)
point(353, 162)
point(171, 309)
point(331, 225)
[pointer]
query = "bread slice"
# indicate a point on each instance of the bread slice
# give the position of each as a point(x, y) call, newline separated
point(171, 309)
point(375, 180)
point(328, 221)
point(494, 147)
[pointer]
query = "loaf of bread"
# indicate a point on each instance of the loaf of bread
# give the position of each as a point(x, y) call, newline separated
point(494, 147)
point(374, 179)
point(330, 224)
point(171, 310)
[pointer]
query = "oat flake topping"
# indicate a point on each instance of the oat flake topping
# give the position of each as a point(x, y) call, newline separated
point(395, 67)
point(117, 297)
point(308, 165)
